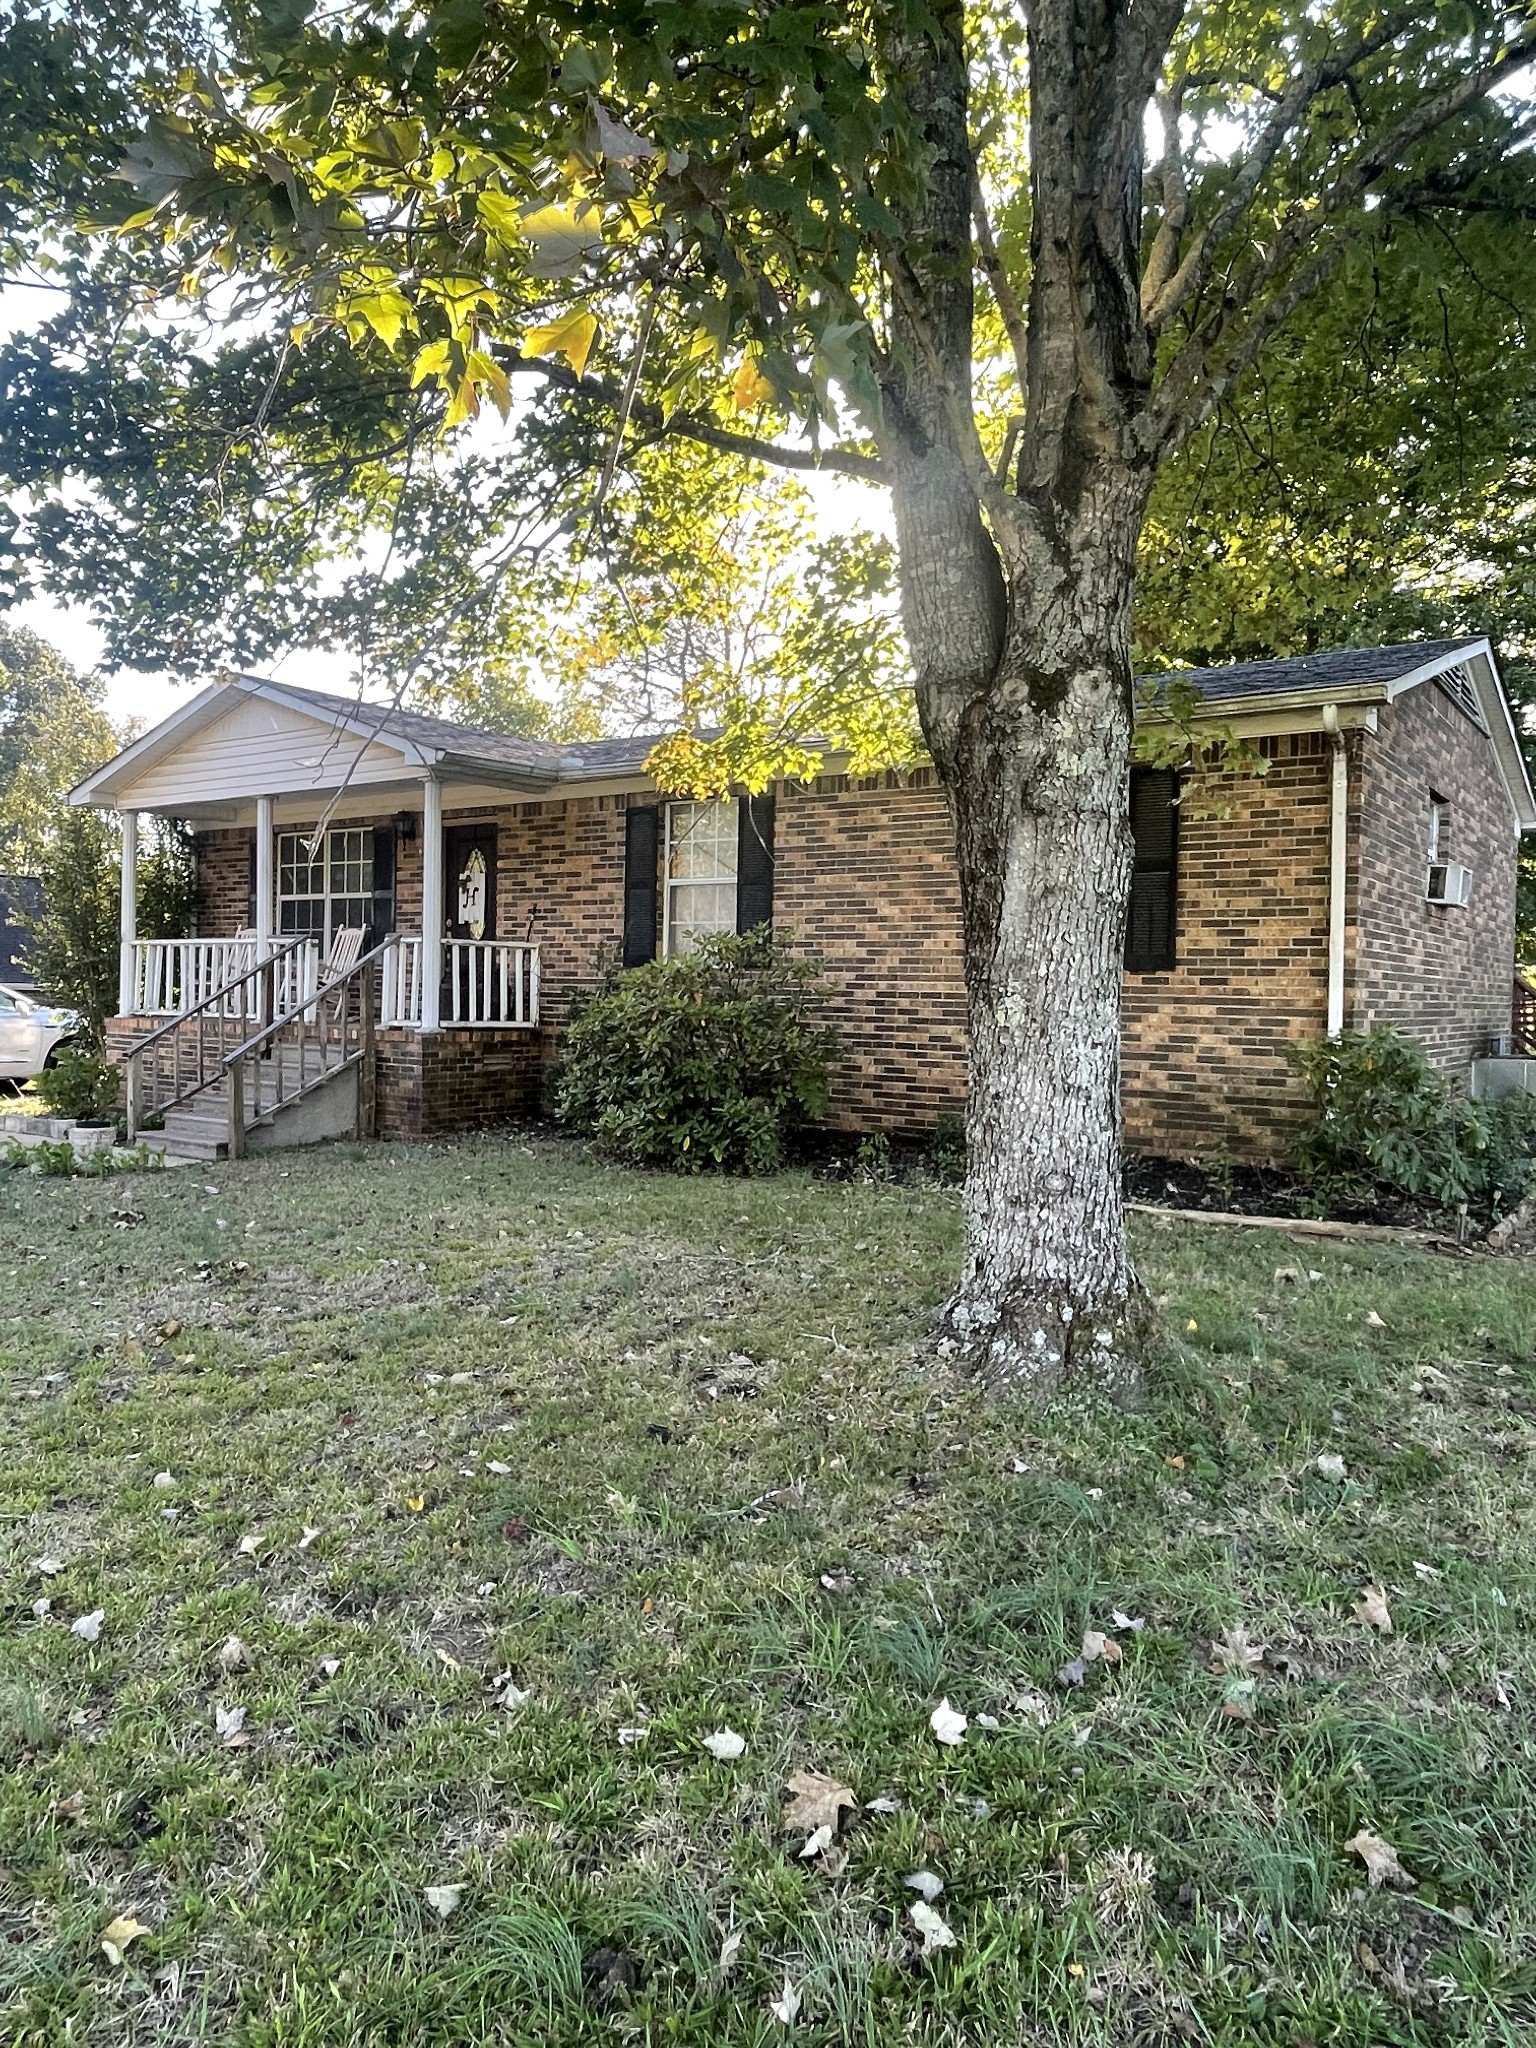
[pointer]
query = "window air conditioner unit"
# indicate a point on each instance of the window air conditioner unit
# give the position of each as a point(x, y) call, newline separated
point(1449, 882)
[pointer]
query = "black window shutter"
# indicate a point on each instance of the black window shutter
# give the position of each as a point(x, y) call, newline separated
point(250, 907)
point(642, 840)
point(1151, 927)
point(382, 922)
point(754, 862)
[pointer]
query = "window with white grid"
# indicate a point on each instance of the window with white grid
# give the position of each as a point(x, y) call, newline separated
point(701, 873)
point(330, 891)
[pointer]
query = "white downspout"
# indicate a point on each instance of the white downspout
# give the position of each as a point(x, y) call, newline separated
point(128, 916)
point(1338, 869)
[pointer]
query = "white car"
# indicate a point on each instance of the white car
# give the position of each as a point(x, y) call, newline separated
point(30, 1034)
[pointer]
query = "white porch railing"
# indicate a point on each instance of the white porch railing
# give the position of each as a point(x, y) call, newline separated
point(490, 982)
point(172, 976)
point(487, 984)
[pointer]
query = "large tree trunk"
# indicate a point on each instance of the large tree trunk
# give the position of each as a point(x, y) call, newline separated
point(1042, 836)
point(1017, 599)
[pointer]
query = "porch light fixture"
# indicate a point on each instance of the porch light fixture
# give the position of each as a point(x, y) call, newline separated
point(405, 827)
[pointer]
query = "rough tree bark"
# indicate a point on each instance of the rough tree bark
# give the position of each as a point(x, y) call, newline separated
point(1017, 601)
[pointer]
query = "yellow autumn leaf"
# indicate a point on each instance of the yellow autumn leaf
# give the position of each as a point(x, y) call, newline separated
point(416, 1502)
point(751, 388)
point(571, 337)
point(115, 1939)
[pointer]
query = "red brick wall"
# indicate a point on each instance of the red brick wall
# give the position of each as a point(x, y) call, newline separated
point(455, 1080)
point(223, 882)
point(1441, 973)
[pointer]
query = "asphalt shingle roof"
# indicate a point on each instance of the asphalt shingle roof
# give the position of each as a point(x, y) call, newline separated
point(574, 760)
point(1334, 669)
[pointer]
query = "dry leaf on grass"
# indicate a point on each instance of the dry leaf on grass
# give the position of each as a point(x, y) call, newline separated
point(1235, 1652)
point(229, 1726)
point(628, 1737)
point(1126, 1621)
point(309, 1536)
point(47, 1567)
point(926, 1883)
point(948, 1726)
point(1380, 1860)
point(248, 1546)
point(88, 1626)
point(444, 1898)
point(818, 1802)
point(115, 1939)
point(512, 1695)
point(786, 2005)
point(1374, 1321)
point(819, 1840)
point(730, 1949)
point(1332, 1466)
point(932, 1926)
point(1237, 1701)
point(1097, 1645)
point(725, 1745)
point(234, 1656)
point(1372, 1609)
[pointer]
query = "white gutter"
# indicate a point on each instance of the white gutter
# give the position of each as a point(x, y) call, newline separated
point(1338, 869)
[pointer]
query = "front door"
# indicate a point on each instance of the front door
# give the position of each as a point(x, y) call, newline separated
point(471, 982)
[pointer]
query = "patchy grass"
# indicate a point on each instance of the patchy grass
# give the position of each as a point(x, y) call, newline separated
point(737, 1494)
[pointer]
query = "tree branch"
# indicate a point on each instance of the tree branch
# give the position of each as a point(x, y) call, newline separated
point(1004, 296)
point(692, 426)
point(1161, 304)
point(1194, 367)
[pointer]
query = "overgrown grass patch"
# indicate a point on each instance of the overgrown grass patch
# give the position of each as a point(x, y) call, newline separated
point(737, 1491)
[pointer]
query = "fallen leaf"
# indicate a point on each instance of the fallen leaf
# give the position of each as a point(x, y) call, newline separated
point(1426, 1572)
point(1237, 1701)
point(42, 1608)
point(1176, 1463)
point(234, 1656)
point(884, 1804)
point(329, 1666)
point(1287, 1276)
point(70, 1807)
point(628, 1737)
point(88, 1627)
point(1097, 1645)
point(308, 1537)
point(512, 1696)
point(818, 1802)
point(725, 1745)
point(162, 1482)
point(818, 1840)
point(1235, 1652)
point(229, 1725)
point(1191, 1328)
point(1375, 1320)
point(786, 2005)
point(1380, 1860)
point(248, 1546)
point(932, 1926)
point(730, 1949)
point(443, 1898)
point(47, 1567)
point(1332, 1466)
point(925, 1883)
point(501, 1470)
point(1127, 1621)
point(948, 1726)
point(448, 1661)
point(1371, 1608)
point(416, 1502)
point(1073, 1673)
point(115, 1939)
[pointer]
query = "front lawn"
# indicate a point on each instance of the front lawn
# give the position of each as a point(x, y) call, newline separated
point(438, 1503)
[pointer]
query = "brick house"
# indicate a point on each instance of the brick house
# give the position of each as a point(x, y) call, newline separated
point(1367, 877)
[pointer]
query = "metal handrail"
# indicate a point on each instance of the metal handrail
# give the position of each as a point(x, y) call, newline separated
point(212, 1011)
point(309, 1016)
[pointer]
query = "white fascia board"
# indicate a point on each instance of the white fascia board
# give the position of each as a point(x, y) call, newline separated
point(95, 791)
point(1464, 650)
point(1508, 753)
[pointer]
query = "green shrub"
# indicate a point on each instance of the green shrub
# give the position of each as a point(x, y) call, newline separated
point(79, 1085)
point(1383, 1117)
point(707, 1060)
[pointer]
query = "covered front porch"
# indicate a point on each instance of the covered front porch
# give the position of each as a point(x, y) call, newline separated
point(348, 953)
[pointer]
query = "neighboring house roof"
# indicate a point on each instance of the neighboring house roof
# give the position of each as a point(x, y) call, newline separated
point(1338, 668)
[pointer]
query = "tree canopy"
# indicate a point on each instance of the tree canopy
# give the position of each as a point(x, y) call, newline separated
point(53, 731)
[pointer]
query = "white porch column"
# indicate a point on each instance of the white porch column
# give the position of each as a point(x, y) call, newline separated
point(264, 889)
point(128, 913)
point(431, 900)
point(1338, 868)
